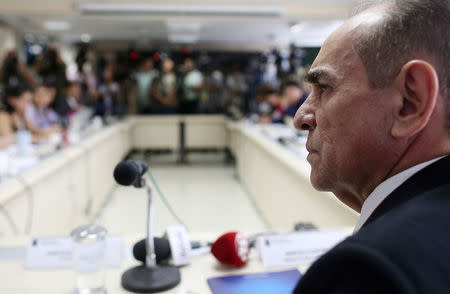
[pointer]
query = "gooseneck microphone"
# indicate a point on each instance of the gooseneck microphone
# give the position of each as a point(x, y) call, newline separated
point(150, 277)
point(130, 172)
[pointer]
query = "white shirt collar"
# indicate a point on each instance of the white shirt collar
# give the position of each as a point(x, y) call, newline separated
point(383, 190)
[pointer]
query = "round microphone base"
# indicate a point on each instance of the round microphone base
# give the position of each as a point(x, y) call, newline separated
point(142, 279)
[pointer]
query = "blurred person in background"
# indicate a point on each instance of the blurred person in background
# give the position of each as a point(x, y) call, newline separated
point(273, 97)
point(258, 98)
point(236, 86)
point(88, 82)
point(144, 79)
point(53, 72)
point(255, 73)
point(13, 115)
point(163, 91)
point(14, 73)
point(264, 113)
point(61, 106)
point(293, 96)
point(123, 78)
point(7, 137)
point(73, 96)
point(192, 85)
point(268, 108)
point(107, 96)
point(40, 115)
point(211, 96)
point(294, 71)
point(86, 76)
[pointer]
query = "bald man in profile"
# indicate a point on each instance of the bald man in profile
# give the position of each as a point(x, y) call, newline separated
point(379, 138)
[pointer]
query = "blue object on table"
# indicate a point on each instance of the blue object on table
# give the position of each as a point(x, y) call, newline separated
point(262, 283)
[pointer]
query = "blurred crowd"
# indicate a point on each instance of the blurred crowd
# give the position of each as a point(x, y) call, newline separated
point(43, 97)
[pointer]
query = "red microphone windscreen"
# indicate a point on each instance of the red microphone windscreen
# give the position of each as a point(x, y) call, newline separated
point(231, 249)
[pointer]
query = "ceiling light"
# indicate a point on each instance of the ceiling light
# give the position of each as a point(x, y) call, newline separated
point(298, 28)
point(183, 38)
point(238, 10)
point(52, 25)
point(180, 27)
point(85, 38)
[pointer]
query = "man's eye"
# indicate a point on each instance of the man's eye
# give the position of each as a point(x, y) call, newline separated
point(322, 87)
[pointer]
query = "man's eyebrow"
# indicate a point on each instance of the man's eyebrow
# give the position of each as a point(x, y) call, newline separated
point(318, 75)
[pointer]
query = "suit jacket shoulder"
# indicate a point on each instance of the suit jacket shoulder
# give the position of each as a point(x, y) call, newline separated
point(404, 247)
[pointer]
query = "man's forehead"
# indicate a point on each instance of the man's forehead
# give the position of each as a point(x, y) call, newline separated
point(345, 35)
point(336, 56)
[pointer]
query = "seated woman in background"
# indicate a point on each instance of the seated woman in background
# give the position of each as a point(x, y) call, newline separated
point(7, 137)
point(12, 115)
point(42, 119)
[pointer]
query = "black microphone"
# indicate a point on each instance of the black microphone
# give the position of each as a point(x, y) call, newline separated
point(149, 277)
point(130, 172)
point(162, 249)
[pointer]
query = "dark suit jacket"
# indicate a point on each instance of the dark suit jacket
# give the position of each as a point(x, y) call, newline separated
point(404, 247)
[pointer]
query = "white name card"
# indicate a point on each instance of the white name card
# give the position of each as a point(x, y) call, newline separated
point(297, 249)
point(56, 252)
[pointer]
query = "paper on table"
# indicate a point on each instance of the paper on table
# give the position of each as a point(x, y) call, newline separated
point(56, 252)
point(297, 249)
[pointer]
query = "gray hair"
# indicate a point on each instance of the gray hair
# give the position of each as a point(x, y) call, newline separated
point(410, 29)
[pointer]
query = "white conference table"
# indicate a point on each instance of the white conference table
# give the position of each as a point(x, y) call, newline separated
point(68, 189)
point(73, 185)
point(16, 279)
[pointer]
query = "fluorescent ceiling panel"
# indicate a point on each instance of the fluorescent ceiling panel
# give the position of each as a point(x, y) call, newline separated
point(183, 27)
point(56, 25)
point(120, 8)
point(86, 38)
point(183, 38)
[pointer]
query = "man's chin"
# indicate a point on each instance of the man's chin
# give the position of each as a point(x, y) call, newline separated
point(316, 185)
point(318, 182)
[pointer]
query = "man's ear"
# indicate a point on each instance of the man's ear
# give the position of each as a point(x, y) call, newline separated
point(417, 86)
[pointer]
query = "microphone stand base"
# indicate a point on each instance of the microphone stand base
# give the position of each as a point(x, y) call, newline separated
point(142, 279)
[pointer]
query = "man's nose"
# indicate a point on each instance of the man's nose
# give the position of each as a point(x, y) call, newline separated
point(305, 118)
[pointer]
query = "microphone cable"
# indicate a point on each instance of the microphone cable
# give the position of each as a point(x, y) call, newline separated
point(164, 200)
